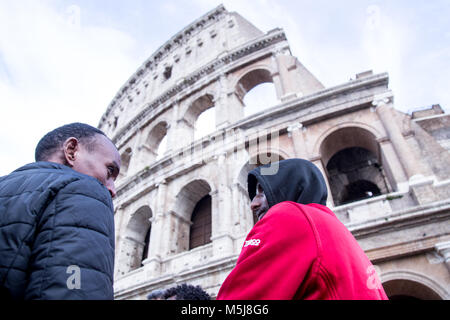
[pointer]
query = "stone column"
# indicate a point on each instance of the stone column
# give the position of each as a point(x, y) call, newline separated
point(229, 108)
point(443, 249)
point(157, 242)
point(422, 189)
point(180, 131)
point(221, 218)
point(286, 65)
point(384, 109)
point(392, 166)
point(172, 130)
point(295, 132)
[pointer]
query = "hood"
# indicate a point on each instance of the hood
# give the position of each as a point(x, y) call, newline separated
point(296, 180)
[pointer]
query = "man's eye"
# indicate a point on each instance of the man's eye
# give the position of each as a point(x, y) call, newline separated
point(110, 171)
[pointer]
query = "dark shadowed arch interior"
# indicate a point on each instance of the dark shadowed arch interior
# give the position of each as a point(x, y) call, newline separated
point(355, 174)
point(125, 158)
point(138, 231)
point(193, 205)
point(200, 232)
point(402, 289)
point(354, 165)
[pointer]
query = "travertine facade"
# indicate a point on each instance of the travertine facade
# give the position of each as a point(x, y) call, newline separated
point(387, 172)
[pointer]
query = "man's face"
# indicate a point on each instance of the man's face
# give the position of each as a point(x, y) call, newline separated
point(102, 163)
point(259, 205)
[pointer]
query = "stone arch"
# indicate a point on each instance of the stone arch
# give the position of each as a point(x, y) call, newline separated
point(405, 284)
point(197, 106)
point(251, 78)
point(373, 134)
point(125, 159)
point(352, 160)
point(153, 140)
point(134, 248)
point(256, 90)
point(189, 195)
point(186, 204)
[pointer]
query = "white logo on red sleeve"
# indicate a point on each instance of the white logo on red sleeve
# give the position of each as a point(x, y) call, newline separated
point(252, 242)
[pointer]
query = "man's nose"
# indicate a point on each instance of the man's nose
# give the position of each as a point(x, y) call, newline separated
point(112, 189)
point(255, 204)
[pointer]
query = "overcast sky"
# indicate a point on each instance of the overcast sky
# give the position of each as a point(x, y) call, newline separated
point(63, 61)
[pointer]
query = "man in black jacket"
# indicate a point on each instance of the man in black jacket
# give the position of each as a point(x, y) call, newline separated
point(57, 218)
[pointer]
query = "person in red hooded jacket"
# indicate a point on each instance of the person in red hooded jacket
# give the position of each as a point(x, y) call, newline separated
point(298, 249)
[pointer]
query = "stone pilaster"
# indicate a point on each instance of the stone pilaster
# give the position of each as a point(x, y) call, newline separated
point(421, 186)
point(229, 107)
point(221, 217)
point(295, 132)
point(384, 109)
point(157, 245)
point(286, 68)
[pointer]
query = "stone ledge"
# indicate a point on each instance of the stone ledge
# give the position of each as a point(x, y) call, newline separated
point(404, 249)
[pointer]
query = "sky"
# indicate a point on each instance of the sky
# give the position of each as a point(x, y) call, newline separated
point(64, 61)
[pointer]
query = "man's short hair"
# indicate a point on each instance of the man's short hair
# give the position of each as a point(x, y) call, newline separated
point(54, 140)
point(186, 292)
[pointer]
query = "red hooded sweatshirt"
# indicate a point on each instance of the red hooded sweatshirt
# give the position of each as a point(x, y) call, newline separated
point(300, 251)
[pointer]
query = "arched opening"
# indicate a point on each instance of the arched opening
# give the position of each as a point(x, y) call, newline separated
point(201, 117)
point(193, 208)
point(355, 174)
point(354, 167)
point(155, 145)
point(256, 91)
point(200, 231)
point(146, 244)
point(162, 148)
point(205, 124)
point(359, 190)
point(261, 97)
point(125, 158)
point(402, 289)
point(137, 238)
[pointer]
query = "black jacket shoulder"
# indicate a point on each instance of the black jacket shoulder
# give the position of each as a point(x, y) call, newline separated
point(54, 220)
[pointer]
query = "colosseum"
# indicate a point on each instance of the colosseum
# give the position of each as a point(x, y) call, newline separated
point(182, 208)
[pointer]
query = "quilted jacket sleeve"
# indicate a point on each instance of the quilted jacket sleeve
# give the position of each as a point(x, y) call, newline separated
point(73, 253)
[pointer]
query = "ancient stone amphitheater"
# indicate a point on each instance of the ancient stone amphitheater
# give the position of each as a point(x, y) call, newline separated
point(182, 211)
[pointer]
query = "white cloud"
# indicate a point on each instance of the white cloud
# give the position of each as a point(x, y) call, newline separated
point(57, 70)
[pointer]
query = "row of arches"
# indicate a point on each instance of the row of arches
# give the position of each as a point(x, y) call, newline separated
point(254, 92)
point(354, 172)
point(352, 163)
point(193, 207)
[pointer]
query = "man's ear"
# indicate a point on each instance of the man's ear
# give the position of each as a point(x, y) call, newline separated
point(70, 148)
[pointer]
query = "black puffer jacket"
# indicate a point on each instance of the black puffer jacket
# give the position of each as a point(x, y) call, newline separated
point(56, 234)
